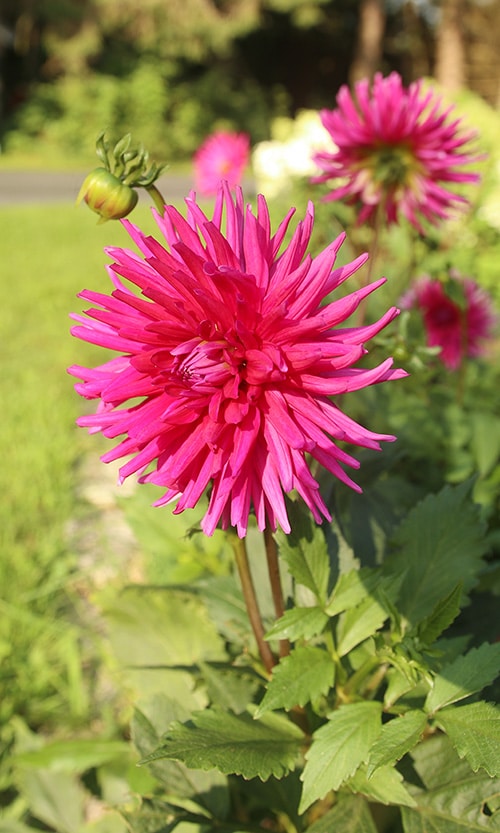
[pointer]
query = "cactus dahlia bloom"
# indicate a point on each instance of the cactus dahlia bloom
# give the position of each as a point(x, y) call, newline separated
point(396, 148)
point(222, 156)
point(458, 316)
point(227, 361)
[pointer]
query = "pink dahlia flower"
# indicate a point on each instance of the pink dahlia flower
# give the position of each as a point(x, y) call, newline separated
point(396, 148)
point(222, 156)
point(458, 317)
point(227, 361)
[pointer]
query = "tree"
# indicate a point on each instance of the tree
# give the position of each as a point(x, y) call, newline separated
point(370, 39)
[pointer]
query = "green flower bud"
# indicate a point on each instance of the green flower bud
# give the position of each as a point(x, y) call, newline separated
point(107, 195)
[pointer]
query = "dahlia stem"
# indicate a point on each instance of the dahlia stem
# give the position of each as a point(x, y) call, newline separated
point(157, 198)
point(247, 586)
point(273, 567)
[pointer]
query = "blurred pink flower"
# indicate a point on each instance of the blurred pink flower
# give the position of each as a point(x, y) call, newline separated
point(222, 156)
point(458, 316)
point(227, 361)
point(396, 148)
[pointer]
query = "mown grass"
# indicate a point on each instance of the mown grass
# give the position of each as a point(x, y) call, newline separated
point(47, 255)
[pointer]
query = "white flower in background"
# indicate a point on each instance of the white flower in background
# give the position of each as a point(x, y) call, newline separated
point(288, 155)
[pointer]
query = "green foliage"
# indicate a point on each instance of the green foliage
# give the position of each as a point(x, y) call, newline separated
point(306, 673)
point(368, 682)
point(339, 747)
point(53, 670)
point(450, 797)
point(445, 532)
point(239, 744)
point(464, 676)
point(474, 730)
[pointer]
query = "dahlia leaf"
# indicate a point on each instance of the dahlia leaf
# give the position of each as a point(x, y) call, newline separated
point(445, 612)
point(464, 676)
point(474, 731)
point(429, 820)
point(358, 623)
point(397, 737)
point(338, 748)
point(351, 589)
point(148, 725)
point(303, 675)
point(385, 786)
point(350, 814)
point(298, 623)
point(453, 799)
point(232, 744)
point(442, 538)
point(306, 554)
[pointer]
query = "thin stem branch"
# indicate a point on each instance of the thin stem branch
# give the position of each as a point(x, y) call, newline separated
point(157, 198)
point(273, 567)
point(247, 586)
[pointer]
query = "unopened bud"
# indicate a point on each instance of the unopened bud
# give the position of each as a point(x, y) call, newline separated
point(107, 195)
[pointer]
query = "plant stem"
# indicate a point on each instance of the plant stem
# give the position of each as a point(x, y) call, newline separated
point(273, 567)
point(157, 198)
point(354, 681)
point(247, 586)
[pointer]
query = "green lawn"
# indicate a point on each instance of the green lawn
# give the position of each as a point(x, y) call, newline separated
point(48, 254)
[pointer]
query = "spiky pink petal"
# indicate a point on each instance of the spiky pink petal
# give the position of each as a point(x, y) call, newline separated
point(228, 361)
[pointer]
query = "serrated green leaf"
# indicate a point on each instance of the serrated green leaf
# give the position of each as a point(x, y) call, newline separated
point(385, 786)
point(306, 553)
point(350, 814)
point(351, 589)
point(148, 725)
point(474, 731)
point(298, 623)
point(233, 744)
point(305, 674)
point(445, 612)
point(397, 737)
point(440, 539)
point(453, 794)
point(358, 623)
point(467, 675)
point(338, 748)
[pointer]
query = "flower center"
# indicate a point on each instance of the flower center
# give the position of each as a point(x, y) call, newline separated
point(392, 165)
point(228, 365)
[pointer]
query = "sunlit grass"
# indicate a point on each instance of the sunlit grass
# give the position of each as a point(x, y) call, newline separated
point(48, 255)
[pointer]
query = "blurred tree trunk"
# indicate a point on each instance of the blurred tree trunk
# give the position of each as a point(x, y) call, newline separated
point(482, 41)
point(371, 28)
point(450, 47)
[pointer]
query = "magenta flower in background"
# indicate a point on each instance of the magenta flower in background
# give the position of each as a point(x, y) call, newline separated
point(227, 361)
point(396, 148)
point(458, 317)
point(222, 156)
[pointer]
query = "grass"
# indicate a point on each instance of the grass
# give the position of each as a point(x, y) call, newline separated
point(48, 255)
